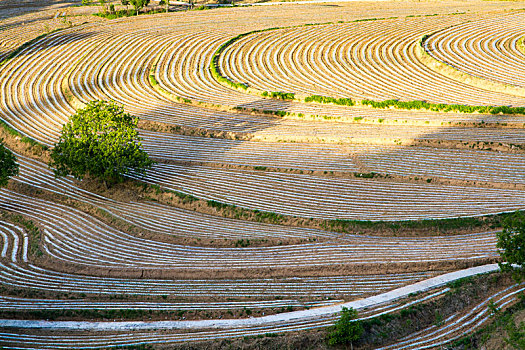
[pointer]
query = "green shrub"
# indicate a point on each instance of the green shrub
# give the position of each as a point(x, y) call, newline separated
point(279, 95)
point(325, 100)
point(347, 329)
point(443, 107)
point(511, 242)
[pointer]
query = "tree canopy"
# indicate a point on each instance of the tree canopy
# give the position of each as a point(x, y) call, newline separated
point(138, 4)
point(511, 242)
point(8, 165)
point(100, 141)
point(347, 329)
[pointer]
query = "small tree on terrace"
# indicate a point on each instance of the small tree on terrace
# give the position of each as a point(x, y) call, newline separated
point(101, 141)
point(8, 165)
point(138, 4)
point(511, 242)
point(347, 329)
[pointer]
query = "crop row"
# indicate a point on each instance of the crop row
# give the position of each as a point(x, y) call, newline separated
point(41, 106)
point(419, 161)
point(18, 273)
point(76, 239)
point(459, 324)
point(159, 69)
point(334, 198)
point(59, 107)
point(452, 328)
point(17, 303)
point(354, 60)
point(486, 49)
point(64, 340)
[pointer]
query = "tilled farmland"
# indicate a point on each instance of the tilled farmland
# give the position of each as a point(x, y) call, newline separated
point(308, 157)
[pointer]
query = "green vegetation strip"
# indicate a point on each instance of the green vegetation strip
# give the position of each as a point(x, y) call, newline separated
point(335, 101)
point(405, 105)
point(229, 209)
point(521, 44)
point(100, 314)
point(438, 225)
point(443, 107)
point(19, 49)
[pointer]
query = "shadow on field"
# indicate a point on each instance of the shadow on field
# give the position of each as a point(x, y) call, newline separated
point(13, 8)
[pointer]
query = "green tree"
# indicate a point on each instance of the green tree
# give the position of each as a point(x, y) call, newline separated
point(100, 141)
point(8, 165)
point(511, 242)
point(125, 3)
point(138, 4)
point(347, 329)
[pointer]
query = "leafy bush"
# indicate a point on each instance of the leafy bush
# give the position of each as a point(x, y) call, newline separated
point(347, 329)
point(511, 242)
point(443, 107)
point(279, 94)
point(115, 14)
point(325, 99)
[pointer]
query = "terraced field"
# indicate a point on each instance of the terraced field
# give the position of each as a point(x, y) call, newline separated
point(263, 214)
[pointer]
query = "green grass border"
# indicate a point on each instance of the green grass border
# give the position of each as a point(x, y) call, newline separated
point(392, 103)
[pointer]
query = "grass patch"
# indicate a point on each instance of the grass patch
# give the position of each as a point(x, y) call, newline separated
point(279, 95)
point(521, 44)
point(186, 198)
point(442, 107)
point(326, 100)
